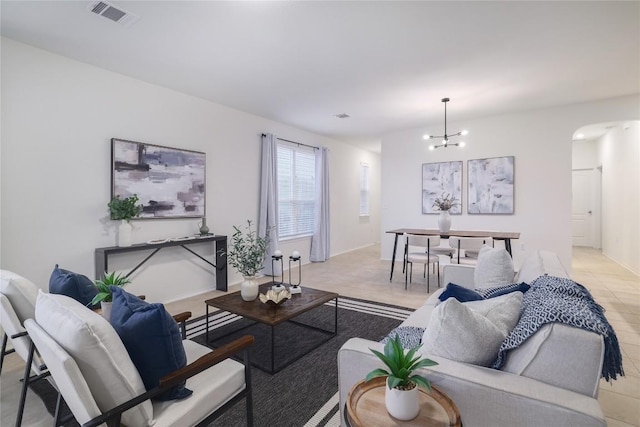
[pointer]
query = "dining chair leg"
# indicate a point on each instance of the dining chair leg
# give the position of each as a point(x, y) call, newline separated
point(438, 273)
point(406, 275)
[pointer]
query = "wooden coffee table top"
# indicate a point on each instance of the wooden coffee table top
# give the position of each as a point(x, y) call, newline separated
point(365, 407)
point(268, 313)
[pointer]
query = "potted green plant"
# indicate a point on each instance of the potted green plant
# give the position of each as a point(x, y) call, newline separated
point(104, 295)
point(124, 210)
point(246, 254)
point(401, 394)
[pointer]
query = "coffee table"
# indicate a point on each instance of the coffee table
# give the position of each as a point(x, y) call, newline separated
point(271, 315)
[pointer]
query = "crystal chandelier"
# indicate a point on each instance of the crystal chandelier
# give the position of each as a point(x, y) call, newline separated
point(445, 138)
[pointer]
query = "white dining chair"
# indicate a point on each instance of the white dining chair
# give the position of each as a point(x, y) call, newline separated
point(417, 249)
point(467, 248)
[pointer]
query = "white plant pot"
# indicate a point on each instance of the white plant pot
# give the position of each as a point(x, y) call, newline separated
point(249, 288)
point(444, 221)
point(106, 310)
point(124, 234)
point(402, 404)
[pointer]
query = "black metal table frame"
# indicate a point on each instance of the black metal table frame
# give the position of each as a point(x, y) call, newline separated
point(274, 369)
point(101, 255)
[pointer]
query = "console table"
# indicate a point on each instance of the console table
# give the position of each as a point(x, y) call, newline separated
point(220, 244)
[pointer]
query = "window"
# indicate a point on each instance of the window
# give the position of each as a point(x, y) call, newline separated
point(364, 189)
point(296, 190)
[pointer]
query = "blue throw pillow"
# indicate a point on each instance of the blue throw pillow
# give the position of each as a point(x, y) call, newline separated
point(460, 293)
point(502, 290)
point(152, 339)
point(73, 285)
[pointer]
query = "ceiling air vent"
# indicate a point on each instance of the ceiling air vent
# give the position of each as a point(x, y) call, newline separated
point(112, 13)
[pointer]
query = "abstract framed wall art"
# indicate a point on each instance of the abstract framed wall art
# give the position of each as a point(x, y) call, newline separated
point(169, 182)
point(439, 178)
point(491, 186)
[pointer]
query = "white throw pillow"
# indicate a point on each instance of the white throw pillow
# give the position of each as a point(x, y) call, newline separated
point(531, 268)
point(458, 333)
point(502, 311)
point(99, 353)
point(494, 268)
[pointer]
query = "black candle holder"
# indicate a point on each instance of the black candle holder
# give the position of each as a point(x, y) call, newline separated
point(277, 285)
point(295, 289)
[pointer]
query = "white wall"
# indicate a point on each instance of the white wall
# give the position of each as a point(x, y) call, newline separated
point(541, 143)
point(585, 154)
point(58, 116)
point(619, 155)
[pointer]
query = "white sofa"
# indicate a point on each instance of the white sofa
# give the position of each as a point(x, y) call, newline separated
point(550, 380)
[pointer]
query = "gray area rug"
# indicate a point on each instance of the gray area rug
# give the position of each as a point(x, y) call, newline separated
point(303, 394)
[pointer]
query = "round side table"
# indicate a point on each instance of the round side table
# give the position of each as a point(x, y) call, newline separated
point(365, 407)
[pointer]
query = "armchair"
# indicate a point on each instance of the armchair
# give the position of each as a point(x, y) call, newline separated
point(17, 303)
point(100, 383)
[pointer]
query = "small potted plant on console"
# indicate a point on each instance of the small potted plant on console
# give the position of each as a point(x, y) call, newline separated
point(124, 210)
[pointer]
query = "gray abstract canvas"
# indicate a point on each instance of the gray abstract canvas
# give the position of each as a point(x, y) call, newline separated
point(439, 178)
point(491, 186)
point(169, 182)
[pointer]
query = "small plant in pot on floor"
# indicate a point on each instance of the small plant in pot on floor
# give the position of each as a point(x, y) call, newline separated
point(401, 394)
point(104, 295)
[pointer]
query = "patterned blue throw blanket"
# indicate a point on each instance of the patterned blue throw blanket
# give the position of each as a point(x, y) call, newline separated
point(555, 299)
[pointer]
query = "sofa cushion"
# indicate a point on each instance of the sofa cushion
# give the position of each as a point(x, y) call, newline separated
point(74, 285)
point(459, 333)
point(152, 338)
point(22, 294)
point(99, 353)
point(537, 358)
point(494, 268)
point(460, 293)
point(531, 268)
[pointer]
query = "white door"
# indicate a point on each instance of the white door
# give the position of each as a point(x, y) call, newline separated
point(582, 211)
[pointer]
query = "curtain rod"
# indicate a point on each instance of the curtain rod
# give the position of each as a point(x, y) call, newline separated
point(294, 142)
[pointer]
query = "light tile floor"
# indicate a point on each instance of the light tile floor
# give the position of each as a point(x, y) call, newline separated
point(361, 274)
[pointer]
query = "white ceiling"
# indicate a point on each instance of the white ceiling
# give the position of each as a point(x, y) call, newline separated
point(386, 64)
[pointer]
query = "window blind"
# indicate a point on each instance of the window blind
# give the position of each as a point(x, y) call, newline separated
point(364, 189)
point(296, 190)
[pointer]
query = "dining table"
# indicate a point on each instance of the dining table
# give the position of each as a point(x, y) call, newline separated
point(505, 236)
